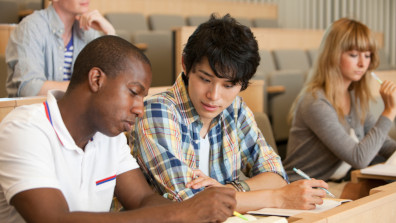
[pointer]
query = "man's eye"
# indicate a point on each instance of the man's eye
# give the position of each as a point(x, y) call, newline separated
point(204, 79)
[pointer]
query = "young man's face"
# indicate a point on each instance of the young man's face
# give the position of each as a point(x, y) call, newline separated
point(121, 99)
point(209, 94)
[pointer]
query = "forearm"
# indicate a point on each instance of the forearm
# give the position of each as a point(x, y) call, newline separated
point(254, 200)
point(154, 200)
point(53, 85)
point(267, 180)
point(261, 192)
point(167, 213)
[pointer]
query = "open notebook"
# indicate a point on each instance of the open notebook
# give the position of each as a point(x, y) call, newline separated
point(251, 218)
point(386, 169)
point(327, 204)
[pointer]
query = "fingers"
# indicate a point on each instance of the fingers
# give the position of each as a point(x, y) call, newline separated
point(317, 183)
point(202, 181)
point(303, 194)
point(388, 94)
point(226, 197)
point(93, 19)
point(214, 204)
point(198, 183)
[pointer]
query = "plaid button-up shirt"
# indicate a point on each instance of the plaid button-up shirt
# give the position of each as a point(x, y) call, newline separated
point(166, 143)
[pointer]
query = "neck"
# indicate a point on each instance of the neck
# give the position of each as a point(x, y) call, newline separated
point(205, 127)
point(67, 20)
point(75, 119)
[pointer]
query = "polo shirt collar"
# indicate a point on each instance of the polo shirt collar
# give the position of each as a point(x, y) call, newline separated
point(57, 121)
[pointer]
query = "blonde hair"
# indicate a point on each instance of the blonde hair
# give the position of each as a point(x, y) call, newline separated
point(343, 35)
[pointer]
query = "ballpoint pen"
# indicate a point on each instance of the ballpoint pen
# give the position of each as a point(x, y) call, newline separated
point(304, 175)
point(376, 77)
point(240, 216)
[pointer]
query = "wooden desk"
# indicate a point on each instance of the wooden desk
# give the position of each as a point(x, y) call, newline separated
point(357, 176)
point(378, 207)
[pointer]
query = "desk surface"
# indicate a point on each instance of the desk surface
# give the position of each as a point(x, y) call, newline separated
point(379, 206)
point(357, 176)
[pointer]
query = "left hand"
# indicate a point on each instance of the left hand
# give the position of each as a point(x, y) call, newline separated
point(201, 180)
point(93, 19)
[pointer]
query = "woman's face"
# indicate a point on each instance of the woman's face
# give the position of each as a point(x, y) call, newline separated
point(354, 64)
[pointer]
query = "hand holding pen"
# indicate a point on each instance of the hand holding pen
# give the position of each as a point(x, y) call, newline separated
point(388, 95)
point(305, 176)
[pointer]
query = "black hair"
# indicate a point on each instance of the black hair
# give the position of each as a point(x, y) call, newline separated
point(231, 49)
point(109, 53)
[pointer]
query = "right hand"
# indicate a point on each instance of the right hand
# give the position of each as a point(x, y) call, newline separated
point(302, 194)
point(93, 19)
point(201, 180)
point(214, 204)
point(388, 94)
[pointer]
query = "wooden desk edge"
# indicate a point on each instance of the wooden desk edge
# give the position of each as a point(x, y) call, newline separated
point(276, 89)
point(357, 176)
point(382, 194)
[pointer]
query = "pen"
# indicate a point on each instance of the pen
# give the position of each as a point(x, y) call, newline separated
point(304, 175)
point(240, 216)
point(376, 77)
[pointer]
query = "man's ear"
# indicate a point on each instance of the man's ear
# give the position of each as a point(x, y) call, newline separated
point(96, 79)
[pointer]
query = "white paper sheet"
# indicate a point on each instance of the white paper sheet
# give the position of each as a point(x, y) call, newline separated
point(327, 204)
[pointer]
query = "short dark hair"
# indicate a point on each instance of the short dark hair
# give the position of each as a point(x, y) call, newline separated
point(109, 53)
point(231, 49)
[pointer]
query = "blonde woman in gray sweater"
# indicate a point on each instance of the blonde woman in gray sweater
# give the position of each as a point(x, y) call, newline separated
point(332, 130)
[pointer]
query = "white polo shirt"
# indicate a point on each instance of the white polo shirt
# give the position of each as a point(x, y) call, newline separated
point(37, 154)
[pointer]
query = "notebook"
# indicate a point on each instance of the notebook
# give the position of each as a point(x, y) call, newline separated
point(384, 169)
point(327, 204)
point(253, 219)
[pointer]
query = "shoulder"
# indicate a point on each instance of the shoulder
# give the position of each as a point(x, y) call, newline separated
point(313, 99)
point(164, 100)
point(27, 122)
point(313, 103)
point(238, 110)
point(38, 19)
point(33, 27)
point(28, 113)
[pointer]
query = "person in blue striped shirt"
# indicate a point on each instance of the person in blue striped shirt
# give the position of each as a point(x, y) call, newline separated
point(43, 47)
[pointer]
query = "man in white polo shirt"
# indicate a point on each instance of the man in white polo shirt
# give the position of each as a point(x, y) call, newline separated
point(64, 159)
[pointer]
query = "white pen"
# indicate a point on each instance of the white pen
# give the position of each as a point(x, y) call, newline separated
point(376, 77)
point(305, 176)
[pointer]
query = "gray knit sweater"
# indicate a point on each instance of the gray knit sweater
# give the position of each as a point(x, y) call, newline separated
point(319, 142)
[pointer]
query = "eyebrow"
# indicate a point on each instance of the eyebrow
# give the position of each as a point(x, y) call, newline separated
point(211, 75)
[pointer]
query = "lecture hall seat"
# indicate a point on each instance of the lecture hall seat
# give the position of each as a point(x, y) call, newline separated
point(9, 12)
point(3, 77)
point(196, 20)
point(265, 23)
point(127, 23)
